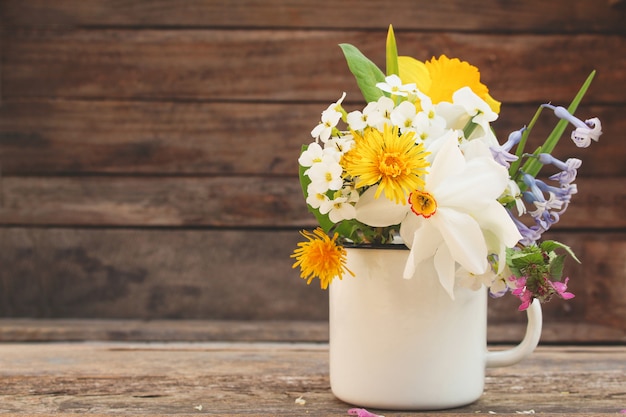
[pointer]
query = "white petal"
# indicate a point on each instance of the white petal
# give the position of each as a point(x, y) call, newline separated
point(448, 161)
point(481, 181)
point(422, 238)
point(379, 212)
point(446, 269)
point(464, 239)
point(454, 114)
point(475, 149)
point(495, 218)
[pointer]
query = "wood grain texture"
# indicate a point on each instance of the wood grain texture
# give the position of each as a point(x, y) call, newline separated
point(112, 273)
point(233, 202)
point(154, 201)
point(244, 275)
point(287, 331)
point(61, 137)
point(290, 65)
point(263, 379)
point(148, 148)
point(492, 16)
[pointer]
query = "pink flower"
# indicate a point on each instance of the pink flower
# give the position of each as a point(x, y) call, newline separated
point(361, 412)
point(521, 292)
point(561, 289)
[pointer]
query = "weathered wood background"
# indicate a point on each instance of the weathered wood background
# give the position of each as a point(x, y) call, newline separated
point(148, 148)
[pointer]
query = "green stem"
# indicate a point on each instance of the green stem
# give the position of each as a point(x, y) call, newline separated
point(514, 169)
point(469, 129)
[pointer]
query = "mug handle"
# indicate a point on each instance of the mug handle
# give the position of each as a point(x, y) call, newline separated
point(526, 346)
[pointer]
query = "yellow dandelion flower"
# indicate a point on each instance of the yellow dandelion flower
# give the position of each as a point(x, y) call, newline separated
point(321, 257)
point(393, 161)
point(440, 77)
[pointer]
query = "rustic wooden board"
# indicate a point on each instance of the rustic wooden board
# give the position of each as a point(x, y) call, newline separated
point(154, 201)
point(162, 138)
point(220, 274)
point(289, 331)
point(111, 273)
point(44, 137)
point(266, 379)
point(492, 15)
point(290, 65)
point(225, 202)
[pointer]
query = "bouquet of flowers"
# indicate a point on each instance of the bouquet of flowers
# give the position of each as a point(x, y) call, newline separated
point(421, 166)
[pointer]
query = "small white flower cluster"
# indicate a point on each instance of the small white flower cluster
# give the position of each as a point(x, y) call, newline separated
point(442, 126)
point(332, 194)
point(324, 169)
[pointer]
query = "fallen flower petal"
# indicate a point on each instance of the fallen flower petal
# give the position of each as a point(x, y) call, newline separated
point(362, 412)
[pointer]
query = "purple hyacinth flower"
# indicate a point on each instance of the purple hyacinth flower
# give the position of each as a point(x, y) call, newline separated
point(586, 131)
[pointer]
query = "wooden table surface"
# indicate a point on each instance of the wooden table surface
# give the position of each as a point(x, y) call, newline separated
point(236, 379)
point(266, 378)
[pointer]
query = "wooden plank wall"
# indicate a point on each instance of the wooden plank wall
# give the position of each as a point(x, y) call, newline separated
point(148, 148)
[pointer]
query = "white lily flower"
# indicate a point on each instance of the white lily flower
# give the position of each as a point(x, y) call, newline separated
point(455, 218)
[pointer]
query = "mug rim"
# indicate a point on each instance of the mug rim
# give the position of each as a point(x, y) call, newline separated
point(386, 246)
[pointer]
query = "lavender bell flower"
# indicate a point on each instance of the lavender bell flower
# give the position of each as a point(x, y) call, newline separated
point(563, 193)
point(529, 234)
point(544, 215)
point(590, 129)
point(501, 153)
point(568, 168)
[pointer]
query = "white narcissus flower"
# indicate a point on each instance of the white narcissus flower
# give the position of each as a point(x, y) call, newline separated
point(467, 106)
point(475, 107)
point(455, 218)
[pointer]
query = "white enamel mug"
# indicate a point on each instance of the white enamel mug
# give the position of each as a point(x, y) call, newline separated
point(405, 344)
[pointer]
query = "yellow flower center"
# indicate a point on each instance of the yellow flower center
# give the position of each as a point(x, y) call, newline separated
point(392, 164)
point(392, 160)
point(422, 203)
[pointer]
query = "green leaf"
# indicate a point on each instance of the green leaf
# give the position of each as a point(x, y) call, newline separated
point(556, 267)
point(552, 245)
point(521, 259)
point(533, 166)
point(392, 53)
point(322, 219)
point(367, 74)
